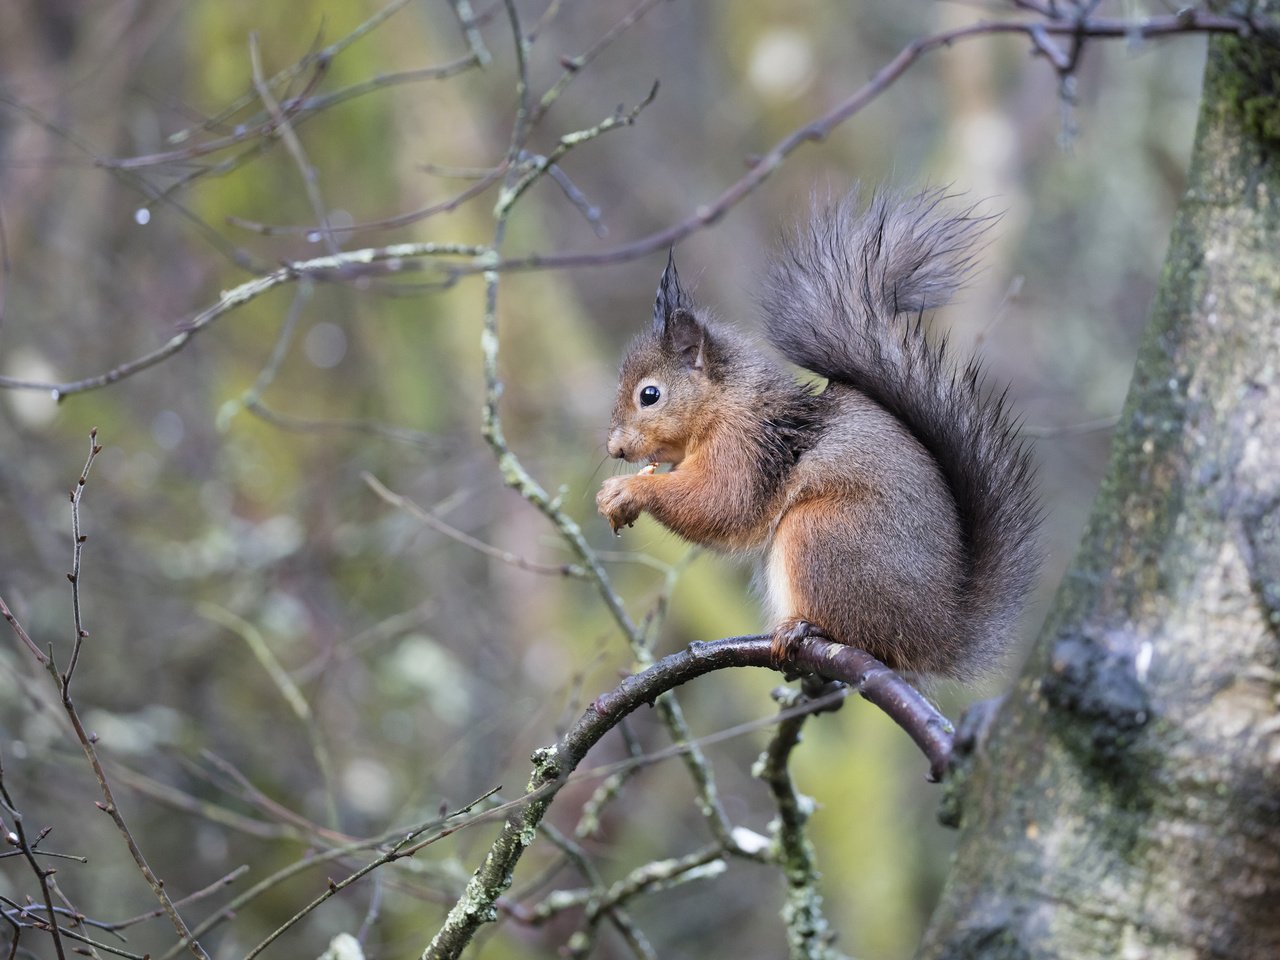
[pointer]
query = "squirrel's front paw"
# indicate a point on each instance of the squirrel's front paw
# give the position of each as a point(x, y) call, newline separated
point(617, 504)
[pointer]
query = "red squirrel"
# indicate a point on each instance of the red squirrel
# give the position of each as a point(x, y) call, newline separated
point(893, 508)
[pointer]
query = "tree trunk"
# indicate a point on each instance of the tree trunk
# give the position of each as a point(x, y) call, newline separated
point(1125, 800)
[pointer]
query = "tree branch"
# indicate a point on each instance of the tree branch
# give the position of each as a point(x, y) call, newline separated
point(553, 765)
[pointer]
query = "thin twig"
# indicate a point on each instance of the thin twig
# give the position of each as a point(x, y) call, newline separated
point(262, 130)
point(77, 551)
point(372, 428)
point(41, 924)
point(343, 266)
point(251, 794)
point(17, 837)
point(110, 807)
point(41, 657)
point(453, 533)
point(492, 177)
point(205, 809)
point(236, 255)
point(117, 925)
point(266, 376)
point(87, 741)
point(407, 846)
point(1071, 429)
point(289, 691)
point(621, 920)
point(470, 29)
point(288, 74)
point(284, 129)
point(6, 267)
point(573, 66)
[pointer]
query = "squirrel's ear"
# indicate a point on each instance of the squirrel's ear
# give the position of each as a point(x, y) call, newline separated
point(670, 295)
point(686, 337)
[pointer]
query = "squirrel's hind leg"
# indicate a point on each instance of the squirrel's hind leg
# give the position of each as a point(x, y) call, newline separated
point(829, 574)
point(786, 574)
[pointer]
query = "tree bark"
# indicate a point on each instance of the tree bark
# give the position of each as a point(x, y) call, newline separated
point(1125, 799)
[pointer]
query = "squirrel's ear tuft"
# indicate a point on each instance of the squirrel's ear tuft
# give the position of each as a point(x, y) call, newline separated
point(670, 295)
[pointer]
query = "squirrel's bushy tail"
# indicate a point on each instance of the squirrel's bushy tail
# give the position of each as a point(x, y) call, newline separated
point(845, 299)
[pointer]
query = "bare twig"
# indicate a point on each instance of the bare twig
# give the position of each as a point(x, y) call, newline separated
point(6, 268)
point(1071, 429)
point(291, 72)
point(17, 913)
point(580, 944)
point(371, 428)
point(589, 820)
point(603, 900)
point(536, 166)
point(493, 176)
point(208, 891)
point(289, 691)
point(236, 255)
point(110, 807)
point(279, 350)
point(41, 657)
point(87, 741)
point(407, 846)
point(253, 795)
point(259, 131)
point(284, 128)
point(205, 809)
point(453, 533)
point(17, 837)
point(298, 110)
point(470, 29)
point(341, 266)
point(77, 550)
point(573, 66)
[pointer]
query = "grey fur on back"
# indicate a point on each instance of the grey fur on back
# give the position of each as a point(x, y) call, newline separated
point(845, 299)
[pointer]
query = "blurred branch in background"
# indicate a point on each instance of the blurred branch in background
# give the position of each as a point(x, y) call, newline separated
point(1078, 25)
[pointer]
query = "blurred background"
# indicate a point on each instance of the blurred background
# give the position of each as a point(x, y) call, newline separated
point(229, 524)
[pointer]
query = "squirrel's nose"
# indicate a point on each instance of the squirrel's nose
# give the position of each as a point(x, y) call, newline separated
point(616, 448)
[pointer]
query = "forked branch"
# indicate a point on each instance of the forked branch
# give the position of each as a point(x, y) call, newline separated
point(553, 765)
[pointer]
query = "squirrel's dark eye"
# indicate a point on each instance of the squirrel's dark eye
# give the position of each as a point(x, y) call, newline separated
point(649, 396)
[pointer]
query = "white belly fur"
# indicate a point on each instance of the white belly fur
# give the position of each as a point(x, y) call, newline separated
point(777, 585)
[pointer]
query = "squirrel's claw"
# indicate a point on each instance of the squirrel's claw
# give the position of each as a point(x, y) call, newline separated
point(787, 636)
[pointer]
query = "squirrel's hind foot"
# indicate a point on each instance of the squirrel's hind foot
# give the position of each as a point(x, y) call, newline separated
point(787, 636)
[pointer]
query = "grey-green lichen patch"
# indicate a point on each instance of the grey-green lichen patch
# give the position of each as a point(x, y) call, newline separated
point(1252, 87)
point(809, 936)
point(546, 766)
